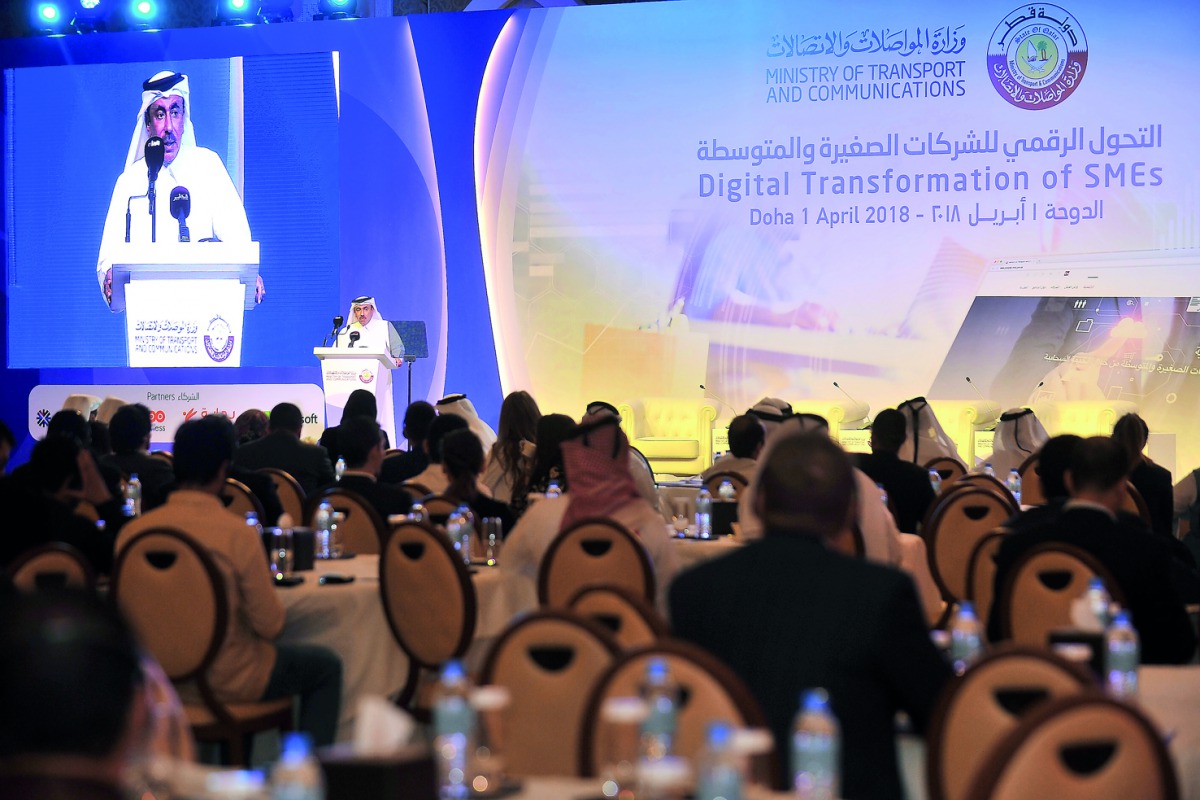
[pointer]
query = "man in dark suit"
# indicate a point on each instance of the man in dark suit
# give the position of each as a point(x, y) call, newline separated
point(789, 613)
point(1138, 561)
point(399, 467)
point(361, 441)
point(282, 449)
point(907, 484)
point(130, 432)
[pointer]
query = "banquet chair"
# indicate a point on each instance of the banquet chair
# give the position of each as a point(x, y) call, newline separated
point(165, 455)
point(981, 573)
point(975, 711)
point(1038, 592)
point(956, 525)
point(173, 595)
point(708, 690)
point(736, 479)
point(415, 489)
point(982, 481)
point(1032, 493)
point(950, 469)
point(52, 566)
point(594, 551)
point(439, 506)
point(362, 529)
point(631, 620)
point(238, 498)
point(1079, 747)
point(547, 660)
point(291, 494)
point(1134, 503)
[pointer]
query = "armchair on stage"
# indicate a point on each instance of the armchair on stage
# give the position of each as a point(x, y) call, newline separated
point(184, 302)
point(675, 434)
point(842, 415)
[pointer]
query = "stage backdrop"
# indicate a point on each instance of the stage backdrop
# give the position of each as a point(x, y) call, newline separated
point(642, 198)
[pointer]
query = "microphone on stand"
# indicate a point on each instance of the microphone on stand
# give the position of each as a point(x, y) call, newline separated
point(155, 154)
point(337, 324)
point(128, 217)
point(867, 419)
point(719, 400)
point(181, 206)
point(354, 337)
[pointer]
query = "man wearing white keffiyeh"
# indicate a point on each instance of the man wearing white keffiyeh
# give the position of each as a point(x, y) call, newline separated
point(374, 332)
point(216, 207)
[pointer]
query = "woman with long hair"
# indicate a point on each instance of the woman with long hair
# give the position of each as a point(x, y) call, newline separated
point(552, 429)
point(511, 457)
point(462, 461)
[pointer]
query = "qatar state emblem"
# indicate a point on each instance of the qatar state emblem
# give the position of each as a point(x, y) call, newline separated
point(218, 339)
point(1037, 56)
point(366, 376)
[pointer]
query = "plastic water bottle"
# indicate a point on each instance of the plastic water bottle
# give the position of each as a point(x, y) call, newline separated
point(704, 513)
point(988, 470)
point(454, 529)
point(719, 770)
point(252, 521)
point(465, 532)
point(323, 531)
point(339, 469)
point(1122, 654)
point(935, 480)
point(553, 489)
point(658, 729)
point(297, 775)
point(816, 749)
point(966, 639)
point(882, 493)
point(417, 513)
point(133, 497)
point(726, 491)
point(1098, 601)
point(453, 732)
point(1014, 484)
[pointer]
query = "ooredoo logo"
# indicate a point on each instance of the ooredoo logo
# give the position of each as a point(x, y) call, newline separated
point(158, 416)
point(1037, 56)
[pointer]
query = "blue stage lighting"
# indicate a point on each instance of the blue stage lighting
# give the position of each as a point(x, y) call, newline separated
point(46, 16)
point(237, 12)
point(337, 9)
point(143, 14)
point(90, 16)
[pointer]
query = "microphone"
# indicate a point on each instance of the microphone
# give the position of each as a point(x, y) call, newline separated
point(181, 206)
point(719, 400)
point(354, 337)
point(337, 324)
point(154, 154)
point(867, 419)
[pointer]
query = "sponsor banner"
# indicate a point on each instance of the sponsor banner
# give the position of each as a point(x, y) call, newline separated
point(171, 404)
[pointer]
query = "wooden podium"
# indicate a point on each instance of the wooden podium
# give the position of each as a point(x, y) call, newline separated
point(344, 369)
point(184, 301)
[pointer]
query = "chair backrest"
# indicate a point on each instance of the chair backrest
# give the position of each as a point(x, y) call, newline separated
point(291, 494)
point(1038, 592)
point(630, 619)
point(173, 595)
point(240, 500)
point(976, 711)
point(548, 660)
point(956, 525)
point(981, 573)
point(736, 479)
point(439, 505)
point(362, 530)
point(708, 690)
point(594, 551)
point(951, 469)
point(1079, 748)
point(1134, 503)
point(982, 481)
point(1032, 493)
point(52, 566)
point(427, 594)
point(415, 489)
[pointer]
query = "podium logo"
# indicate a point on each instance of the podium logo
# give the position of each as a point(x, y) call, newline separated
point(366, 376)
point(1037, 56)
point(218, 339)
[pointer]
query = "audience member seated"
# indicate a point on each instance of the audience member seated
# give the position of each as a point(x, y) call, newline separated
point(926, 440)
point(1054, 459)
point(8, 443)
point(249, 667)
point(399, 467)
point(552, 431)
point(282, 449)
point(462, 461)
point(598, 484)
point(1152, 481)
point(459, 405)
point(101, 439)
point(251, 425)
point(360, 403)
point(789, 613)
point(130, 431)
point(1186, 502)
point(73, 425)
point(746, 437)
point(907, 484)
point(433, 477)
point(1019, 434)
point(1138, 561)
point(74, 719)
point(770, 411)
point(361, 441)
point(511, 457)
point(39, 501)
point(639, 467)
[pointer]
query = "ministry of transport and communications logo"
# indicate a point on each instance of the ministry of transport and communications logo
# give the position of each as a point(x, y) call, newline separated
point(1037, 56)
point(218, 339)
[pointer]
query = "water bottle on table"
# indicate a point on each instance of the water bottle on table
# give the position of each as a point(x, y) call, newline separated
point(966, 638)
point(339, 469)
point(453, 732)
point(133, 497)
point(323, 531)
point(1122, 654)
point(1014, 484)
point(719, 771)
point(935, 480)
point(658, 728)
point(704, 503)
point(297, 775)
point(816, 749)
